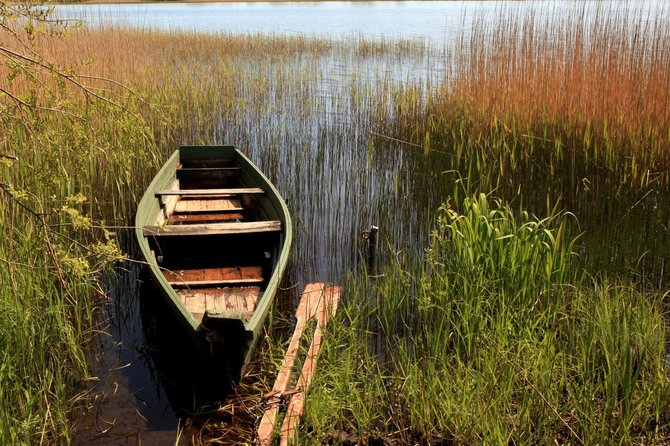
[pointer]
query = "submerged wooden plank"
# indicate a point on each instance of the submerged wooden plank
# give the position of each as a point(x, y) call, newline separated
point(317, 300)
point(195, 192)
point(213, 228)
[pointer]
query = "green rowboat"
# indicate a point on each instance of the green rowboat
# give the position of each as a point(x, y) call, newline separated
point(216, 235)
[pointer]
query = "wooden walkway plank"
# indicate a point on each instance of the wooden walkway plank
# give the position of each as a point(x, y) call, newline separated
point(317, 301)
point(327, 308)
point(307, 308)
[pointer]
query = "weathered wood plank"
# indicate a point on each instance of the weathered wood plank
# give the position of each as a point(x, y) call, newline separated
point(327, 308)
point(194, 192)
point(209, 205)
point(195, 303)
point(239, 299)
point(214, 276)
point(213, 228)
point(198, 218)
point(307, 308)
point(250, 301)
point(211, 283)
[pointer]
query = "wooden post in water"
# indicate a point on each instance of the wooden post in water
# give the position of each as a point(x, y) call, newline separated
point(320, 301)
point(371, 236)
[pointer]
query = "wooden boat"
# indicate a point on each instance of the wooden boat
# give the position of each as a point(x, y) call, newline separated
point(216, 236)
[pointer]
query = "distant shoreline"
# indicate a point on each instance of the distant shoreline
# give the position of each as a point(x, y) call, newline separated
point(94, 2)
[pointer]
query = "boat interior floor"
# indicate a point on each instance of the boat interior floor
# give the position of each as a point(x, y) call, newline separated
point(215, 274)
point(225, 267)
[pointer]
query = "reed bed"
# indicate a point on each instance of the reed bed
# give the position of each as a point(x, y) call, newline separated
point(485, 323)
point(68, 179)
point(496, 338)
point(562, 108)
point(513, 329)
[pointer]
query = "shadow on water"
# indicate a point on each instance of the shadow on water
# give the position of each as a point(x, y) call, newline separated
point(148, 377)
point(192, 382)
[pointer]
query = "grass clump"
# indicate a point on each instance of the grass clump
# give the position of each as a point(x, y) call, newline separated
point(494, 339)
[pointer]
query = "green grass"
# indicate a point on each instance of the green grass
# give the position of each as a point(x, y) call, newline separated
point(71, 176)
point(496, 338)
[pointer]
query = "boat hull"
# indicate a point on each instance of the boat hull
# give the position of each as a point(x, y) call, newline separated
point(215, 235)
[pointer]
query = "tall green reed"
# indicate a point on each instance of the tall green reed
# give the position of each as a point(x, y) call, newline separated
point(72, 173)
point(495, 338)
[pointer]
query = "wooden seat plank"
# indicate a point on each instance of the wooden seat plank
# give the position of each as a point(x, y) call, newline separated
point(213, 228)
point(214, 276)
point(210, 217)
point(224, 192)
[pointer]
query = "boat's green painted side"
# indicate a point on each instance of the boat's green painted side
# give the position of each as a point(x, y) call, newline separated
point(273, 207)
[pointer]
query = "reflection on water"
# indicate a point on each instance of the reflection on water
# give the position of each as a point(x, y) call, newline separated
point(130, 405)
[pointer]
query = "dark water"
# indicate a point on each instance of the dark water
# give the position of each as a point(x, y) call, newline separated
point(130, 406)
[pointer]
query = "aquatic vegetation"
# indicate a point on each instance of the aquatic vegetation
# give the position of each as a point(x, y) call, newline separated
point(529, 351)
point(535, 318)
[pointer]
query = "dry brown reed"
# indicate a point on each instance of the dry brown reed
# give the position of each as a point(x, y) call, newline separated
point(603, 70)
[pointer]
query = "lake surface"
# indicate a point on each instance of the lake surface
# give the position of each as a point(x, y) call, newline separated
point(434, 21)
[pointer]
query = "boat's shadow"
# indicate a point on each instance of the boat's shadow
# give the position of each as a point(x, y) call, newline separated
point(193, 380)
